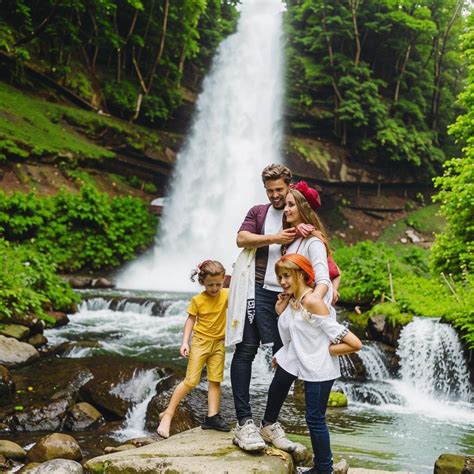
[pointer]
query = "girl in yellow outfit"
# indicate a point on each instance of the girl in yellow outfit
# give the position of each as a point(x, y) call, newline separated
point(206, 320)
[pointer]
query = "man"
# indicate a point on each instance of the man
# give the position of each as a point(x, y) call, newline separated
point(261, 229)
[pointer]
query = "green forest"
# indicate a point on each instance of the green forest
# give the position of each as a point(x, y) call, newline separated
point(389, 81)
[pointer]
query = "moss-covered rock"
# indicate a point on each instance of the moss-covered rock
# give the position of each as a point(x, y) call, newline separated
point(452, 464)
point(14, 330)
point(337, 399)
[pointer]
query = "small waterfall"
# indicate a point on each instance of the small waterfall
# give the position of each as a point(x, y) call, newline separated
point(93, 304)
point(431, 360)
point(374, 362)
point(237, 131)
point(140, 389)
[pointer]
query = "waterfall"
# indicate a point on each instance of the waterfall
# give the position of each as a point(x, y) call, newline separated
point(431, 360)
point(374, 362)
point(140, 389)
point(236, 132)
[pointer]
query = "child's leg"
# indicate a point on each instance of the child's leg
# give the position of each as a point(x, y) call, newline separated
point(165, 417)
point(213, 398)
point(197, 357)
point(350, 343)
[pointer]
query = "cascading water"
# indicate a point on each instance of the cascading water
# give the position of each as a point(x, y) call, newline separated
point(236, 133)
point(431, 360)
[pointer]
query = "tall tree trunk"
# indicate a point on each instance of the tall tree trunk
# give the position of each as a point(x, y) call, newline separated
point(355, 4)
point(402, 72)
point(162, 45)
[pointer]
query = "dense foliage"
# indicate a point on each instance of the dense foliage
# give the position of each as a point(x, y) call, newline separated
point(453, 251)
point(82, 231)
point(416, 292)
point(132, 53)
point(29, 283)
point(380, 75)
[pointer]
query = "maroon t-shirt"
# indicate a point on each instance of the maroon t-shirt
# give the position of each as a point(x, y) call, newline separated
point(254, 222)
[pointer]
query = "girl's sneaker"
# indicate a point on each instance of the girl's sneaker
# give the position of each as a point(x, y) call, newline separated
point(215, 422)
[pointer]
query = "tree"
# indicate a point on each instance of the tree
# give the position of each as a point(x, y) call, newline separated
point(453, 251)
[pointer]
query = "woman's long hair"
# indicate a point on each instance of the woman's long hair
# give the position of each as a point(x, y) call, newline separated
point(308, 216)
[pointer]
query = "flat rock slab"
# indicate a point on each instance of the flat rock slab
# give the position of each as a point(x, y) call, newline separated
point(361, 470)
point(193, 451)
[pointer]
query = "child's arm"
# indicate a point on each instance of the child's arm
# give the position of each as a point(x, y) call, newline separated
point(349, 343)
point(188, 329)
point(282, 302)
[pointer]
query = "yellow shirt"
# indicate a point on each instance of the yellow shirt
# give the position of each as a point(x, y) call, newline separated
point(211, 313)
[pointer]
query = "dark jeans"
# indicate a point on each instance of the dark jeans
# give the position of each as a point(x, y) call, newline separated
point(316, 399)
point(277, 393)
point(262, 329)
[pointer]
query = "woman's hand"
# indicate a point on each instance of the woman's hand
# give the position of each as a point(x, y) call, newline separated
point(274, 363)
point(283, 298)
point(184, 349)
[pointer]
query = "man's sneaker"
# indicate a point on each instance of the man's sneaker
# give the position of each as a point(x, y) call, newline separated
point(275, 434)
point(215, 422)
point(247, 437)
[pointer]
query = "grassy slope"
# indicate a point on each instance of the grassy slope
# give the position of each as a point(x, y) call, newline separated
point(32, 127)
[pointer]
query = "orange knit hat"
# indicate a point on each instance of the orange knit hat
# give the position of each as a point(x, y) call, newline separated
point(303, 263)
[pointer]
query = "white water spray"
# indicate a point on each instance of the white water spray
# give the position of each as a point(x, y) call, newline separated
point(236, 133)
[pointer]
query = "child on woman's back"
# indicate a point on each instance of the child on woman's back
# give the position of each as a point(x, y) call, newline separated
point(206, 319)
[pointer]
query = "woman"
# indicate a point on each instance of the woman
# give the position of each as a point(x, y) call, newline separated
point(312, 243)
point(311, 340)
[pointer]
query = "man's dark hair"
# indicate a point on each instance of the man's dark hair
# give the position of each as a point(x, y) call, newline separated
point(276, 171)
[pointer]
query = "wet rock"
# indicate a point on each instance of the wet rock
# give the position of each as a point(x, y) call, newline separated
point(98, 393)
point(102, 283)
point(82, 416)
point(44, 418)
point(195, 450)
point(137, 442)
point(379, 329)
point(57, 466)
point(71, 390)
point(7, 386)
point(354, 368)
point(54, 446)
point(118, 449)
point(11, 450)
point(17, 331)
point(60, 318)
point(4, 464)
point(14, 353)
point(35, 325)
point(79, 282)
point(302, 455)
point(454, 464)
point(38, 340)
point(183, 420)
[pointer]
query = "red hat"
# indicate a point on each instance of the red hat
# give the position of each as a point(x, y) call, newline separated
point(310, 194)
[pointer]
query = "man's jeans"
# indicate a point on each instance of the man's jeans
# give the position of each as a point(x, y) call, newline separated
point(263, 328)
point(316, 399)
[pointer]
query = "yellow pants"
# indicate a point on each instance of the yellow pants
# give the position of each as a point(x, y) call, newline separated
point(209, 352)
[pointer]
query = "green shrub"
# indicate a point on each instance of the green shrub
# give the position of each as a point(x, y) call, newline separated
point(150, 188)
point(121, 98)
point(29, 284)
point(364, 271)
point(392, 313)
point(81, 231)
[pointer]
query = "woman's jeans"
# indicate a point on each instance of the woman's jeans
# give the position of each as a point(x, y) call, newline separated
point(316, 399)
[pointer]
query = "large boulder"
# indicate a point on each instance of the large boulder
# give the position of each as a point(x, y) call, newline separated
point(82, 416)
point(193, 451)
point(54, 446)
point(7, 386)
point(38, 340)
point(56, 466)
point(34, 324)
point(14, 353)
point(48, 417)
point(11, 450)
